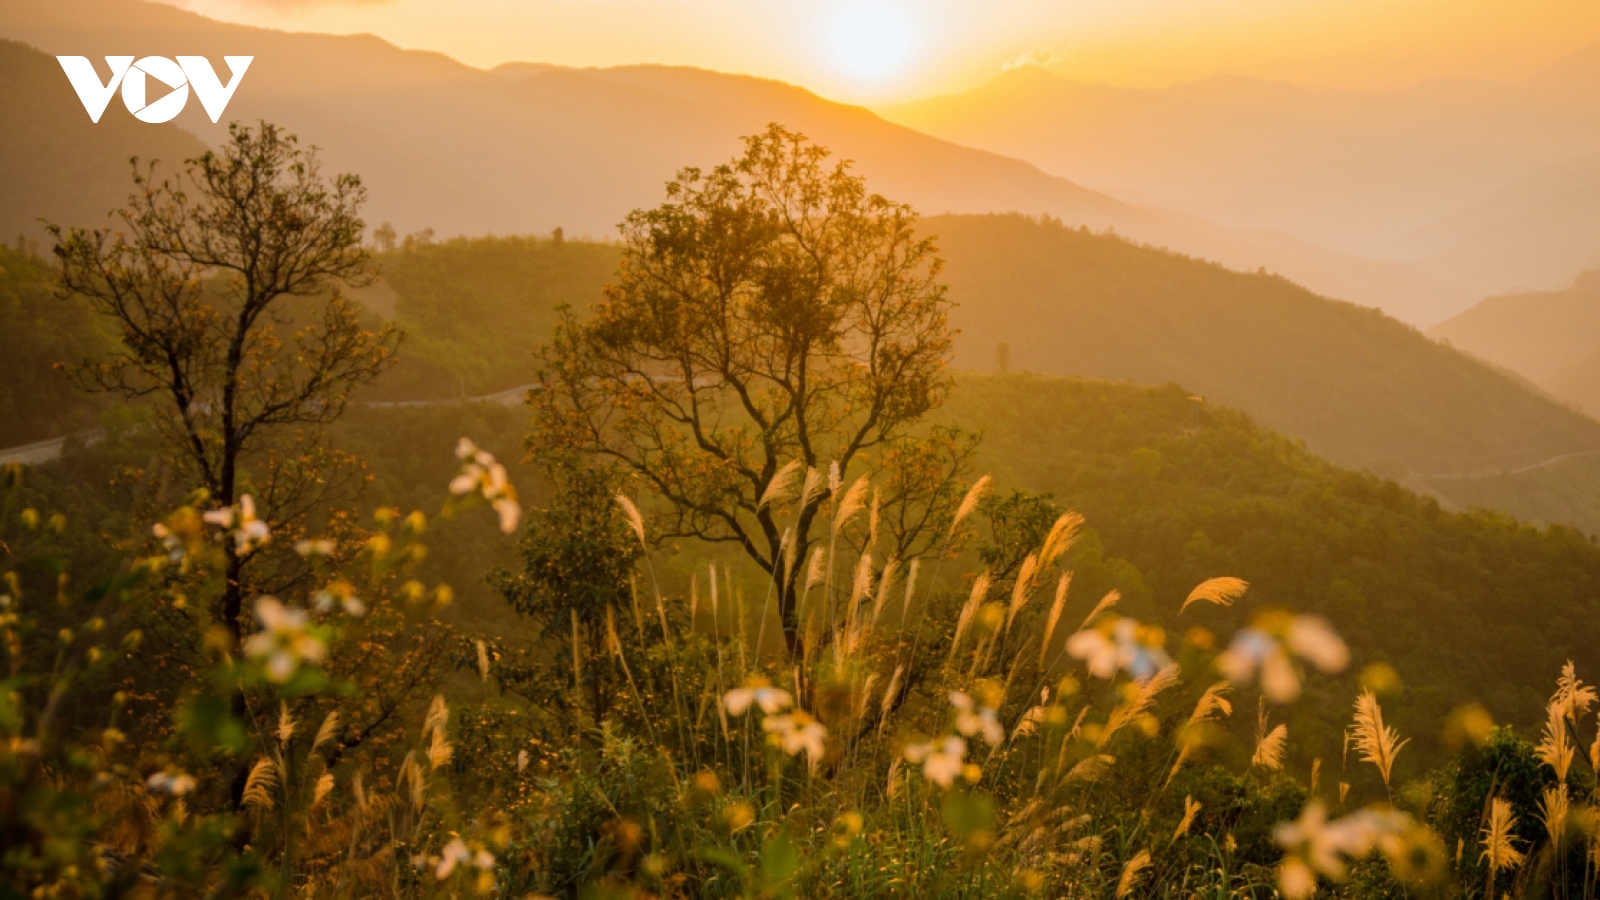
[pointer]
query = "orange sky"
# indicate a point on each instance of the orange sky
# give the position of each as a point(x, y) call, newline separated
point(878, 50)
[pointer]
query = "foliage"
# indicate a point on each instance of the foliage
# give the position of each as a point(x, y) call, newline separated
point(209, 269)
point(771, 319)
point(473, 309)
point(39, 329)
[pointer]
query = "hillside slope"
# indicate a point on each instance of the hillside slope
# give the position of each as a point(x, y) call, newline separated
point(1358, 387)
point(529, 148)
point(1552, 338)
point(1176, 491)
point(58, 165)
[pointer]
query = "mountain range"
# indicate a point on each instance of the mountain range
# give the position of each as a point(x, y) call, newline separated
point(527, 148)
point(1551, 338)
point(1486, 186)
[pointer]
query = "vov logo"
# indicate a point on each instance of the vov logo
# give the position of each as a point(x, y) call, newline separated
point(135, 77)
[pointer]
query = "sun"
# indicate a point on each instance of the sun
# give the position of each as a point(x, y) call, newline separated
point(871, 41)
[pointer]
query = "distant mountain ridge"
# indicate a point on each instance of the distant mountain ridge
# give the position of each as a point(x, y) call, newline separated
point(1388, 174)
point(1552, 338)
point(57, 165)
point(464, 151)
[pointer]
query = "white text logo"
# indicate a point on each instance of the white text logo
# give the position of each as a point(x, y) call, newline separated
point(134, 78)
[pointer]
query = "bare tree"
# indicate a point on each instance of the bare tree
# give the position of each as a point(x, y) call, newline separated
point(771, 321)
point(224, 281)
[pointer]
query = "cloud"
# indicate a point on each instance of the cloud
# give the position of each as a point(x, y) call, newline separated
point(1038, 56)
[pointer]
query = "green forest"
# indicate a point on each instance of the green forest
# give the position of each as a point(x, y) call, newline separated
point(828, 551)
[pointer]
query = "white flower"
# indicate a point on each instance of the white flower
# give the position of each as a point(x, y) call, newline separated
point(510, 514)
point(970, 721)
point(770, 699)
point(1312, 639)
point(1123, 648)
point(248, 531)
point(168, 783)
point(284, 640)
point(454, 853)
point(941, 761)
point(798, 731)
point(322, 547)
point(1316, 846)
point(1259, 647)
point(481, 474)
point(175, 549)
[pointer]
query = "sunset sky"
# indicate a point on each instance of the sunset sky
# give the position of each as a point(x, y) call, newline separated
point(877, 50)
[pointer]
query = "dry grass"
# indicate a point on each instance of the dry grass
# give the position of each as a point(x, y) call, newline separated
point(1376, 743)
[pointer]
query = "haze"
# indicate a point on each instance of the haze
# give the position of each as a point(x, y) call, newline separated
point(898, 49)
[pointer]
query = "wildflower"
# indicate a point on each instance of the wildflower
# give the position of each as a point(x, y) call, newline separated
point(798, 731)
point(770, 699)
point(1266, 646)
point(321, 547)
point(971, 720)
point(248, 531)
point(1316, 846)
point(168, 783)
point(481, 474)
point(941, 761)
point(457, 853)
point(1120, 644)
point(174, 545)
point(284, 641)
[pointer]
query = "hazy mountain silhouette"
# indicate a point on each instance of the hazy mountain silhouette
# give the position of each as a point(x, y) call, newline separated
point(1531, 234)
point(1552, 338)
point(1359, 387)
point(58, 165)
point(527, 148)
point(1357, 170)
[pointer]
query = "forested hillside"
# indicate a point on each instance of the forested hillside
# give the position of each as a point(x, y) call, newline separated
point(474, 309)
point(39, 329)
point(1358, 387)
point(1174, 490)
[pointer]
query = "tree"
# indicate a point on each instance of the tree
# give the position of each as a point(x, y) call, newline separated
point(224, 282)
point(774, 327)
point(384, 236)
point(578, 557)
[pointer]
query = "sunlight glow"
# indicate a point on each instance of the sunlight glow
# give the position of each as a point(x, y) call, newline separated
point(871, 41)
